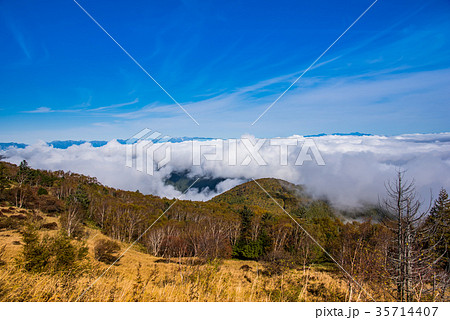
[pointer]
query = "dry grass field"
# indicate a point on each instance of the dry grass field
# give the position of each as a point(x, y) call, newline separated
point(141, 277)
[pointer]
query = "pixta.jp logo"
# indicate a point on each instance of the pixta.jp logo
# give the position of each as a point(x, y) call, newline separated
point(148, 151)
point(261, 152)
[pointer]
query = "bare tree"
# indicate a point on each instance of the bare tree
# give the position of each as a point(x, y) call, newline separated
point(71, 219)
point(411, 263)
point(23, 176)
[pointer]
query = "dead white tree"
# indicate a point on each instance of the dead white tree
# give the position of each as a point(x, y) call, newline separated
point(411, 263)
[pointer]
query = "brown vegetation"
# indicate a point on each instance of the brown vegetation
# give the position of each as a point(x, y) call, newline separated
point(58, 217)
point(140, 277)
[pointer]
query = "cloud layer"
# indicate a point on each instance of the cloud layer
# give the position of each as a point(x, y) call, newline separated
point(355, 170)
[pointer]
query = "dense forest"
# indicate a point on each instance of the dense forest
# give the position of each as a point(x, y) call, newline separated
point(396, 250)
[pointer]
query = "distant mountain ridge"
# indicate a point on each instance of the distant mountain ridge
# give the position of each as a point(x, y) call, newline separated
point(64, 144)
point(6, 145)
point(356, 134)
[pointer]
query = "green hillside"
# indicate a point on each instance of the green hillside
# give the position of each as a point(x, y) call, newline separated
point(289, 196)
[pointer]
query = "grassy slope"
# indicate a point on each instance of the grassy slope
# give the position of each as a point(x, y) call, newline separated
point(163, 280)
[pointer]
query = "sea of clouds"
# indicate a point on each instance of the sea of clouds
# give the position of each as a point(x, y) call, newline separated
point(355, 171)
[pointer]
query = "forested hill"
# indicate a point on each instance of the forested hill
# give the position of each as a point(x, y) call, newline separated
point(47, 190)
point(294, 199)
point(188, 228)
point(289, 196)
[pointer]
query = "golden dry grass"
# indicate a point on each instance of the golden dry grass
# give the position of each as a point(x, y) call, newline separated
point(142, 277)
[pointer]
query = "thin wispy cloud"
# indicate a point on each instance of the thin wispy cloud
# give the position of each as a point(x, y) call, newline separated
point(387, 94)
point(115, 106)
point(50, 110)
point(40, 110)
point(392, 64)
point(83, 107)
point(17, 33)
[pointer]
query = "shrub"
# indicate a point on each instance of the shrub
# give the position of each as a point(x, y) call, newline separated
point(50, 205)
point(35, 217)
point(245, 268)
point(66, 255)
point(106, 250)
point(9, 223)
point(51, 254)
point(49, 226)
point(247, 250)
point(277, 262)
point(36, 253)
point(42, 191)
point(18, 217)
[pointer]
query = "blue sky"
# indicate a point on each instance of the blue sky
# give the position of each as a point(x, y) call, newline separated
point(62, 77)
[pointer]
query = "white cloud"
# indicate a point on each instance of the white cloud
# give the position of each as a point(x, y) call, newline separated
point(355, 171)
point(115, 106)
point(40, 110)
